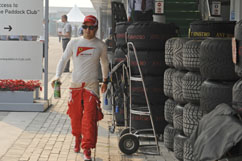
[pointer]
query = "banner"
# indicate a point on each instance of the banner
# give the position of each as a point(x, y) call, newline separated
point(21, 60)
point(21, 17)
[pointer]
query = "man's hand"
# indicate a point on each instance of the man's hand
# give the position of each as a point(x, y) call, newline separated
point(53, 82)
point(104, 87)
point(129, 19)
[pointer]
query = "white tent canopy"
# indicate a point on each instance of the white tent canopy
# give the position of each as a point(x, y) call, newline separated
point(75, 15)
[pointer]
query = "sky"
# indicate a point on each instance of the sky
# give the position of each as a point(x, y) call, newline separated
point(70, 3)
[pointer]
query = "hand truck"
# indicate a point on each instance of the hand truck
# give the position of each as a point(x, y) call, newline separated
point(130, 138)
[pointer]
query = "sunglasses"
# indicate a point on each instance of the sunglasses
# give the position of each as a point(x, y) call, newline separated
point(90, 27)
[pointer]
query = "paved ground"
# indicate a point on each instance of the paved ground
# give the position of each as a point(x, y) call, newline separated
point(37, 136)
point(47, 137)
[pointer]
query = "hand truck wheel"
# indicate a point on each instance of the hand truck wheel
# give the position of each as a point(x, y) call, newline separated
point(128, 144)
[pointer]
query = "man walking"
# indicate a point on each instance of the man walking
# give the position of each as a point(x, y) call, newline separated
point(65, 36)
point(86, 53)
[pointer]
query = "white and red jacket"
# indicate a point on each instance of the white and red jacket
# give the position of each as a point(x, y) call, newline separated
point(86, 55)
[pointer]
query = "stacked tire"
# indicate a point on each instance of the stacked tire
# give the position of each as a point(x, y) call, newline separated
point(174, 106)
point(221, 29)
point(119, 55)
point(237, 59)
point(217, 68)
point(191, 85)
point(237, 88)
point(208, 88)
point(149, 41)
point(121, 45)
point(192, 61)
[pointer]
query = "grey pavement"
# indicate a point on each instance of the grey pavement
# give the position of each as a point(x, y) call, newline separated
point(46, 136)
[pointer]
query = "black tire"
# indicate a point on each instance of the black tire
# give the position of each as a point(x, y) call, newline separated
point(238, 65)
point(237, 96)
point(143, 121)
point(188, 151)
point(177, 87)
point(119, 55)
point(169, 134)
point(212, 29)
point(179, 141)
point(170, 105)
point(216, 59)
point(154, 88)
point(191, 55)
point(169, 47)
point(121, 28)
point(128, 144)
point(150, 35)
point(152, 63)
point(178, 52)
point(168, 77)
point(191, 86)
point(214, 93)
point(192, 114)
point(178, 117)
point(238, 30)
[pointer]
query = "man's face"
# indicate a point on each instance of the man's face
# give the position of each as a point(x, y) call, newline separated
point(63, 19)
point(89, 31)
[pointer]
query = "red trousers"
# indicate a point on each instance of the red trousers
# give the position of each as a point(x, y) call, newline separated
point(83, 114)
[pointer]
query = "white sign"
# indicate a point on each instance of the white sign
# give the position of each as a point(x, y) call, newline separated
point(21, 17)
point(216, 8)
point(21, 60)
point(159, 7)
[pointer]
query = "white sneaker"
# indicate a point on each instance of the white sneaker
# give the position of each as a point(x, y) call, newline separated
point(87, 155)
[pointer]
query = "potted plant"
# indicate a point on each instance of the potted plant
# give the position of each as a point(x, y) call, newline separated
point(18, 91)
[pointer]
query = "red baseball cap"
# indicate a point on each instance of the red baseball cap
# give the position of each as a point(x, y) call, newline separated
point(92, 19)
